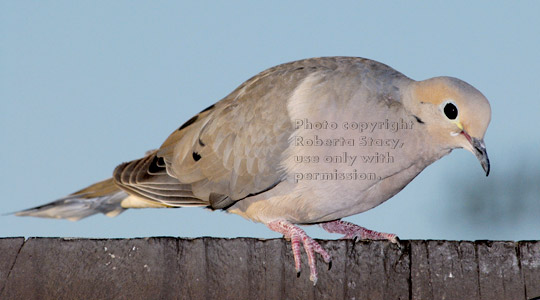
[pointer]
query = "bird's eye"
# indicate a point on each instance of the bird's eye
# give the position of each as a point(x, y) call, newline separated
point(450, 110)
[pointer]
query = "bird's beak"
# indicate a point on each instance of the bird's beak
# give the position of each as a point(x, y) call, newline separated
point(479, 149)
point(481, 154)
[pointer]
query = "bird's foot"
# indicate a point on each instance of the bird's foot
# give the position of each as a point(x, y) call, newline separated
point(353, 231)
point(298, 237)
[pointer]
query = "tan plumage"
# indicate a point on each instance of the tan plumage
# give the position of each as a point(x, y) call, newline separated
point(241, 154)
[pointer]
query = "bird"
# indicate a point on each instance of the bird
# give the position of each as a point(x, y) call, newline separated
point(308, 142)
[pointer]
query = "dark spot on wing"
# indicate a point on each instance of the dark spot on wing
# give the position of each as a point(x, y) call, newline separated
point(196, 156)
point(157, 165)
point(418, 119)
point(201, 143)
point(189, 122)
point(208, 108)
point(161, 162)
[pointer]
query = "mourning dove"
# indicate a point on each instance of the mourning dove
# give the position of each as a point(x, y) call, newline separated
point(306, 142)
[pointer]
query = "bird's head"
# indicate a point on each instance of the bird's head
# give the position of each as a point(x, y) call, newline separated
point(456, 114)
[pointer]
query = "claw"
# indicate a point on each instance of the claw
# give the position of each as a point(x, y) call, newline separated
point(298, 237)
point(295, 243)
point(329, 265)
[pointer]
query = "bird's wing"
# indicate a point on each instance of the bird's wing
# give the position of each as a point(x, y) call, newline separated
point(228, 151)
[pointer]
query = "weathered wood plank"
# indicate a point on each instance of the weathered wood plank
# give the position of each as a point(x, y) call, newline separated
point(209, 268)
point(9, 249)
point(530, 267)
point(444, 270)
point(334, 287)
point(377, 270)
point(191, 261)
point(499, 271)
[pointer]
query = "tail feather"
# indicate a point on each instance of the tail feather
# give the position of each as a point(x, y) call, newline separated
point(103, 197)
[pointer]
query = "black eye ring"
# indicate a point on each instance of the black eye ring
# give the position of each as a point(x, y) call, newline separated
point(450, 110)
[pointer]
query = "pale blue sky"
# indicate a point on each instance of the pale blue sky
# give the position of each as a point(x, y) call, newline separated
point(86, 86)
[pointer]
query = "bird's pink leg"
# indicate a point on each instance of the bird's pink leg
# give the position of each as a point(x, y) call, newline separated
point(353, 231)
point(298, 236)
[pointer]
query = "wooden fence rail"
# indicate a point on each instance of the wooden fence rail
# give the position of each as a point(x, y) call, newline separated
point(245, 268)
